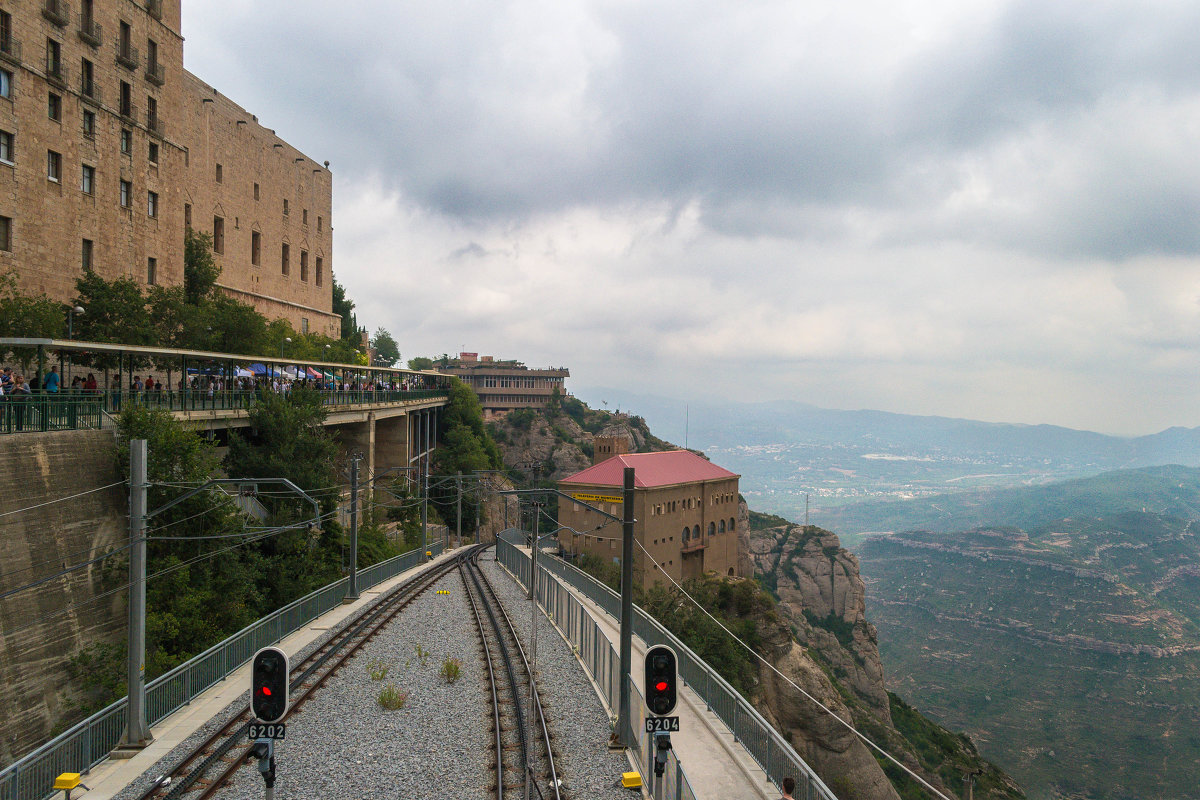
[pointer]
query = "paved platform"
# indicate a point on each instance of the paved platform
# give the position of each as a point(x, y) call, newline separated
point(109, 777)
point(717, 766)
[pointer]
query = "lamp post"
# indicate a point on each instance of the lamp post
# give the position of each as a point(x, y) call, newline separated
point(71, 312)
point(286, 341)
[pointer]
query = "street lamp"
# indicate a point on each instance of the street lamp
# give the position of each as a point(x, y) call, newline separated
point(71, 312)
point(286, 340)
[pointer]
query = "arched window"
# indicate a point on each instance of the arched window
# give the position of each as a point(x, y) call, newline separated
point(687, 534)
point(712, 529)
point(721, 527)
point(732, 524)
point(696, 532)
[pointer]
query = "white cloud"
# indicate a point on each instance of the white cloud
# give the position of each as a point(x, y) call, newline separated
point(969, 208)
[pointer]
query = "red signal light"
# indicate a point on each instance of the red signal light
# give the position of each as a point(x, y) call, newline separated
point(661, 686)
point(265, 691)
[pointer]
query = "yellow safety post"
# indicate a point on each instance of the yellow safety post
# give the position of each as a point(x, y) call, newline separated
point(68, 781)
point(631, 780)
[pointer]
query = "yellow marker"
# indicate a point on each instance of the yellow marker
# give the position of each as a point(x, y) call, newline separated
point(68, 781)
point(631, 780)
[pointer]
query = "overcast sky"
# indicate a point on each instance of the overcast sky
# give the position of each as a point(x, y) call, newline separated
point(976, 208)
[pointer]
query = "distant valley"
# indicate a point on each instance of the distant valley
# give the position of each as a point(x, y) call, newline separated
point(845, 459)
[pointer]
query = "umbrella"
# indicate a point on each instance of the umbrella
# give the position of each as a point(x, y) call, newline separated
point(312, 373)
point(243, 373)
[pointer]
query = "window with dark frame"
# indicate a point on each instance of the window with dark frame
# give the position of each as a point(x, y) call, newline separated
point(187, 215)
point(6, 79)
point(304, 266)
point(6, 233)
point(320, 272)
point(87, 179)
point(53, 166)
point(152, 204)
point(126, 141)
point(7, 141)
point(54, 107)
point(285, 207)
point(126, 194)
point(256, 191)
point(89, 124)
point(218, 234)
point(284, 259)
point(152, 153)
point(53, 59)
point(220, 174)
point(151, 271)
point(256, 248)
point(85, 259)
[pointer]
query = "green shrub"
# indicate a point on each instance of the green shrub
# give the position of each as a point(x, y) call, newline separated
point(392, 697)
point(451, 670)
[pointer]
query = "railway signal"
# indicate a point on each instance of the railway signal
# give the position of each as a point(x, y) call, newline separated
point(662, 674)
point(269, 684)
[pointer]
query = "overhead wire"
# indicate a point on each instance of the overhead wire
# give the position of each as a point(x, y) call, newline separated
point(61, 499)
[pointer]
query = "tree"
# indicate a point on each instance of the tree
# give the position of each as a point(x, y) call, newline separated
point(420, 362)
point(31, 316)
point(387, 352)
point(115, 311)
point(200, 269)
point(345, 306)
point(464, 445)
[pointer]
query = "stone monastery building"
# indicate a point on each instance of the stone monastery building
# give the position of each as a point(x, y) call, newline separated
point(109, 149)
point(686, 510)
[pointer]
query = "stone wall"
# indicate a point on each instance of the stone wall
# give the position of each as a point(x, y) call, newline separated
point(44, 627)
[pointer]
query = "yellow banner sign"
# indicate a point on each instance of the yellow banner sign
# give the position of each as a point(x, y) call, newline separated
point(596, 498)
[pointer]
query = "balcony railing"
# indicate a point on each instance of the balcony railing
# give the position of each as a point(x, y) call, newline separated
point(89, 90)
point(154, 7)
point(90, 31)
point(57, 11)
point(10, 50)
point(57, 74)
point(129, 112)
point(156, 126)
point(155, 73)
point(127, 56)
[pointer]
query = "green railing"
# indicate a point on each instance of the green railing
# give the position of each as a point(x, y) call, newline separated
point(48, 412)
point(73, 411)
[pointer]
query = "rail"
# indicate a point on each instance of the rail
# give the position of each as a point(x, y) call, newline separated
point(772, 752)
point(74, 411)
point(89, 742)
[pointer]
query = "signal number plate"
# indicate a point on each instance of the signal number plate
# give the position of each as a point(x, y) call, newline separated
point(662, 724)
point(267, 730)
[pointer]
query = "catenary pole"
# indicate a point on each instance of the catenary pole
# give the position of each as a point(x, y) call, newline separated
point(352, 586)
point(458, 524)
point(137, 732)
point(625, 732)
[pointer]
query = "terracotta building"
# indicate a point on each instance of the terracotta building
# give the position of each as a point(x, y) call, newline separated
point(109, 149)
point(685, 507)
point(503, 386)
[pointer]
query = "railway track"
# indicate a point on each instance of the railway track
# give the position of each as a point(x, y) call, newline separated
point(522, 744)
point(212, 764)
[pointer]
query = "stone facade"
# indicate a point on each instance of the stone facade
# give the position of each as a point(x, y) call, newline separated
point(688, 527)
point(107, 146)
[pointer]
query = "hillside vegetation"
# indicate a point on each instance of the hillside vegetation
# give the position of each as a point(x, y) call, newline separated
point(1069, 649)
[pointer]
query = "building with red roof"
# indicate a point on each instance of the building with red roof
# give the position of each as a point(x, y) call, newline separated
point(686, 509)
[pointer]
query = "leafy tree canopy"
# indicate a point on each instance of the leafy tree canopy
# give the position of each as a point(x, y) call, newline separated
point(200, 269)
point(420, 362)
point(387, 352)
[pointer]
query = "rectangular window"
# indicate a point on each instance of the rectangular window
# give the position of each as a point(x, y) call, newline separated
point(151, 113)
point(6, 233)
point(126, 100)
point(319, 223)
point(87, 181)
point(256, 248)
point(218, 234)
point(187, 214)
point(256, 191)
point(284, 260)
point(152, 204)
point(220, 174)
point(304, 216)
point(5, 31)
point(53, 58)
point(89, 124)
point(304, 265)
point(87, 82)
point(53, 166)
point(304, 324)
point(126, 141)
point(85, 260)
point(54, 107)
point(285, 207)
point(5, 83)
point(6, 147)
point(151, 271)
point(126, 194)
point(320, 272)
point(152, 154)
point(151, 56)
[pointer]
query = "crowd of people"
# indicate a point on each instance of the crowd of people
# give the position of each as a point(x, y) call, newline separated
point(14, 388)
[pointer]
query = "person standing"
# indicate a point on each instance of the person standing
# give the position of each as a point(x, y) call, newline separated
point(789, 786)
point(20, 397)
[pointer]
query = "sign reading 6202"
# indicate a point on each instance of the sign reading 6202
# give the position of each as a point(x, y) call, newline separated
point(266, 730)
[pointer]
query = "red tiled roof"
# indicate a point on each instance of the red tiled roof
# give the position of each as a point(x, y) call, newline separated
point(651, 469)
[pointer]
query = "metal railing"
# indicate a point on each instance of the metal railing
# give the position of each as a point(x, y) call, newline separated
point(73, 411)
point(90, 741)
point(765, 745)
point(90, 31)
point(56, 11)
point(43, 412)
point(127, 55)
point(10, 49)
point(155, 73)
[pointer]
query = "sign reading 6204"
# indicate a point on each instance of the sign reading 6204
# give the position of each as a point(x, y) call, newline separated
point(662, 724)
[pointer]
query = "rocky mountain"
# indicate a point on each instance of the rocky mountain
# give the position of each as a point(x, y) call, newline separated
point(816, 634)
